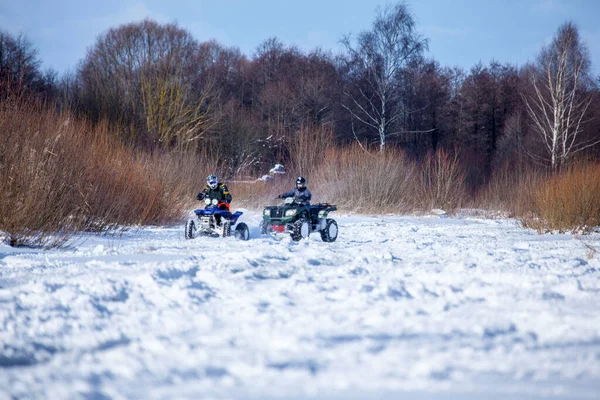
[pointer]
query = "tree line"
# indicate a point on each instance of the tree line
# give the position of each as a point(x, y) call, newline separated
point(160, 89)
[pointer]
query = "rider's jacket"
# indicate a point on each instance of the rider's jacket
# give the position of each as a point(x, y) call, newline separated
point(301, 196)
point(221, 193)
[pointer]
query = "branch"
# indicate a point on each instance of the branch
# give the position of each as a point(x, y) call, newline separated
point(418, 131)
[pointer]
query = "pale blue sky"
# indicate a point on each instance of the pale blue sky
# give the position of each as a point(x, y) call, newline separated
point(461, 32)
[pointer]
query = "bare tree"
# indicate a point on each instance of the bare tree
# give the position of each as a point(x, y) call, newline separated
point(374, 65)
point(147, 77)
point(174, 116)
point(19, 64)
point(559, 105)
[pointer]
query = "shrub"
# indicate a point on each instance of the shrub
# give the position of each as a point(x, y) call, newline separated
point(442, 183)
point(510, 189)
point(366, 181)
point(308, 148)
point(60, 176)
point(566, 202)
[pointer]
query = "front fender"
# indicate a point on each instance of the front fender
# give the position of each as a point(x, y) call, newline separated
point(234, 217)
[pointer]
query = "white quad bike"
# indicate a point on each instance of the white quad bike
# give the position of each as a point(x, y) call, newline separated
point(215, 219)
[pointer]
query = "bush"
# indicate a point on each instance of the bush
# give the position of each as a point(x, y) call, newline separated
point(361, 181)
point(60, 176)
point(510, 189)
point(366, 182)
point(566, 202)
point(308, 148)
point(182, 175)
point(442, 183)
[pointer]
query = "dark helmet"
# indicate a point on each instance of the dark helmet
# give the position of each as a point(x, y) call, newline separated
point(301, 183)
point(212, 181)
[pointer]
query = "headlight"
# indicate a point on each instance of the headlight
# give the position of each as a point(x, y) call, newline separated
point(289, 213)
point(266, 212)
point(215, 201)
point(207, 201)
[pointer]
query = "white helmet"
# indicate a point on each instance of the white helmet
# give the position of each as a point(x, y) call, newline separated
point(212, 181)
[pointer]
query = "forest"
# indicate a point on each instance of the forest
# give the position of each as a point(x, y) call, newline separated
point(129, 137)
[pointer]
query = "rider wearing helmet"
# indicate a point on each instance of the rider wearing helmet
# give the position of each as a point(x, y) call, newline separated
point(300, 193)
point(215, 190)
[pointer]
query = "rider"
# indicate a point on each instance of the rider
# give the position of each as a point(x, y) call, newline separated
point(300, 193)
point(216, 190)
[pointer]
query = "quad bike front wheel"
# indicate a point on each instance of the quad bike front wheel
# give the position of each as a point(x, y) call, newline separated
point(330, 232)
point(190, 229)
point(226, 229)
point(264, 228)
point(242, 232)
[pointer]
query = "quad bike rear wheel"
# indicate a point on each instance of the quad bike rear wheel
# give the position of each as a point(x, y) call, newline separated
point(330, 232)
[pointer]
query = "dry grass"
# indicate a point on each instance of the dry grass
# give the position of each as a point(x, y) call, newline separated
point(34, 198)
point(366, 182)
point(308, 148)
point(182, 175)
point(256, 195)
point(358, 181)
point(509, 190)
point(442, 182)
point(566, 202)
point(59, 176)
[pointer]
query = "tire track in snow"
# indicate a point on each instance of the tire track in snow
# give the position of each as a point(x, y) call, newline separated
point(395, 304)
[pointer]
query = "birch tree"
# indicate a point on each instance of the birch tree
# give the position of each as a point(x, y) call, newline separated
point(560, 100)
point(373, 66)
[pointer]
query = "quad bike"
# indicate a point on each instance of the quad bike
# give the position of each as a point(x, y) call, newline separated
point(300, 220)
point(216, 220)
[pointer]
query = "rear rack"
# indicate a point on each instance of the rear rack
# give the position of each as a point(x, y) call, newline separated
point(328, 206)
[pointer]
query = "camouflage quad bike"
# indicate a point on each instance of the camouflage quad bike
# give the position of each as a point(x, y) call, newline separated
point(300, 220)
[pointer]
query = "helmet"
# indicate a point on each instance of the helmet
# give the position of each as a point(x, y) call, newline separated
point(301, 183)
point(212, 181)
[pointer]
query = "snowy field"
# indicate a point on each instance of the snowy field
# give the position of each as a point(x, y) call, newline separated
point(398, 307)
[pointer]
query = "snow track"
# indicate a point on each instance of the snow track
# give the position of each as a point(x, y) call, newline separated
point(425, 307)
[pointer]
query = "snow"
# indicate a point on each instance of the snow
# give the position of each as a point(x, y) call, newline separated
point(265, 178)
point(278, 169)
point(416, 307)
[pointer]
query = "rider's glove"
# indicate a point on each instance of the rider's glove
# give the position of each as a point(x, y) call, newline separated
point(200, 196)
